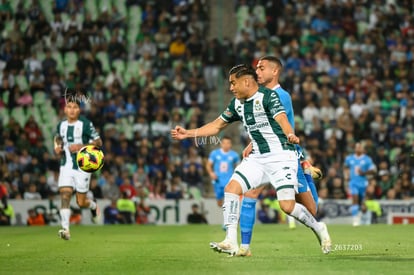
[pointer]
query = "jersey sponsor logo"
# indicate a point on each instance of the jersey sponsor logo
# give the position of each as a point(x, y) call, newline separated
point(258, 126)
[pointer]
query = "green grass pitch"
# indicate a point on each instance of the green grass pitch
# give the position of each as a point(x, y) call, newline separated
point(134, 249)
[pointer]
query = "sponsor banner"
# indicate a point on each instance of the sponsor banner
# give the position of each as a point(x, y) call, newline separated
point(400, 218)
point(340, 208)
point(162, 211)
point(172, 212)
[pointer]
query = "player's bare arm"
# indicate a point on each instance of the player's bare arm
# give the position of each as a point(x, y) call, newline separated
point(73, 148)
point(209, 129)
point(287, 128)
point(210, 171)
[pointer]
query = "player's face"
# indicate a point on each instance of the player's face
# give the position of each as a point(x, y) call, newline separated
point(238, 86)
point(72, 111)
point(226, 145)
point(359, 149)
point(265, 72)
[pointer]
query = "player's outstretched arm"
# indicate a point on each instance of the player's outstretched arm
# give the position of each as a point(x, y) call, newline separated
point(73, 148)
point(287, 128)
point(209, 129)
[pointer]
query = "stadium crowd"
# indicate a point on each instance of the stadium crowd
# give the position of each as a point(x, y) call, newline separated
point(145, 66)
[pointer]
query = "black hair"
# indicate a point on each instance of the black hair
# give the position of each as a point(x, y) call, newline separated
point(72, 96)
point(272, 59)
point(243, 69)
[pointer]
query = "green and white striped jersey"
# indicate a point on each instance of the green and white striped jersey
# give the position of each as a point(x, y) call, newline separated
point(257, 114)
point(80, 132)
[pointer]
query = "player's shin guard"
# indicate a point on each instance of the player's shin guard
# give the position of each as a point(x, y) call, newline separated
point(231, 210)
point(247, 219)
point(65, 217)
point(305, 217)
point(312, 188)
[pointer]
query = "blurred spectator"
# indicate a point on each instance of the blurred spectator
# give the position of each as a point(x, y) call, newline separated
point(5, 218)
point(143, 210)
point(127, 187)
point(126, 208)
point(110, 190)
point(267, 215)
point(194, 179)
point(193, 96)
point(43, 188)
point(31, 193)
point(75, 216)
point(177, 48)
point(52, 181)
point(175, 188)
point(96, 189)
point(34, 218)
point(111, 213)
point(32, 130)
point(195, 217)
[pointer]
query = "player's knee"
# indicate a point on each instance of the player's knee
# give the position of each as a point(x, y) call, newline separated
point(233, 187)
point(82, 202)
point(65, 195)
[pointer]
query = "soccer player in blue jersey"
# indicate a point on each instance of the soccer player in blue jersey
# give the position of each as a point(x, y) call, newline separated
point(359, 165)
point(273, 158)
point(220, 166)
point(268, 70)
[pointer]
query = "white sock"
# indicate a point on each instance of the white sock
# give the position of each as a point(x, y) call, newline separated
point(65, 216)
point(231, 211)
point(92, 205)
point(304, 216)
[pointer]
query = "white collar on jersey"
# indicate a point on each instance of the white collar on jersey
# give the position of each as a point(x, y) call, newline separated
point(275, 87)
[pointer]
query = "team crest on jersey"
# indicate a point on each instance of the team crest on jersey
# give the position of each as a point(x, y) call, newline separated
point(257, 106)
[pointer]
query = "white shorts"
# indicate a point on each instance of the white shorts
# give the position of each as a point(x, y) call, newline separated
point(279, 171)
point(77, 179)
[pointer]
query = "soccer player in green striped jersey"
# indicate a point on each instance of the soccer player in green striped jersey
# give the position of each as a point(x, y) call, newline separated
point(72, 134)
point(273, 158)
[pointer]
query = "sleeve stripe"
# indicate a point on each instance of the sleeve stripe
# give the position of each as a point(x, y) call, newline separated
point(275, 115)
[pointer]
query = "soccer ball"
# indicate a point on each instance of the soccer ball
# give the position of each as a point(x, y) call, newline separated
point(90, 158)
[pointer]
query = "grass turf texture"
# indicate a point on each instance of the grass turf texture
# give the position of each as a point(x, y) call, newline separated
point(134, 249)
